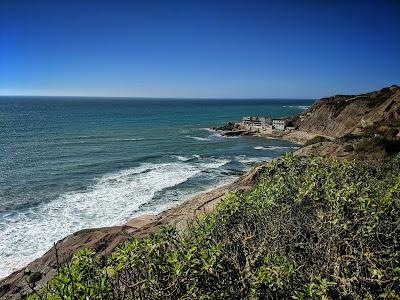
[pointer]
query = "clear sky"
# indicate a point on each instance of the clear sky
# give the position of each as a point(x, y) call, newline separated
point(204, 48)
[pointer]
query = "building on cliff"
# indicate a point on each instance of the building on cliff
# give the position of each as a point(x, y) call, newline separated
point(257, 121)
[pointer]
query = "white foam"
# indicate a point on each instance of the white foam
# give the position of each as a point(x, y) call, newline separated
point(207, 129)
point(220, 135)
point(214, 134)
point(275, 147)
point(87, 139)
point(298, 106)
point(183, 158)
point(111, 200)
point(188, 158)
point(198, 138)
point(206, 188)
point(133, 139)
point(250, 160)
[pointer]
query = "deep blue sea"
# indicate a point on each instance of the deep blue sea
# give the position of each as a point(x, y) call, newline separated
point(73, 163)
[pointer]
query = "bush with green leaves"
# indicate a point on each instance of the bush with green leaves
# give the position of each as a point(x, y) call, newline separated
point(312, 228)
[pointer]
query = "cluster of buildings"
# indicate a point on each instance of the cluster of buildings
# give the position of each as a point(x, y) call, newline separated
point(267, 122)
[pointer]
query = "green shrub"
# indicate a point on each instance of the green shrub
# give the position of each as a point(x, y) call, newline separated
point(311, 229)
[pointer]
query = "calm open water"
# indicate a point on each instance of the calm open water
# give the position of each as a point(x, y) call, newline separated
point(73, 163)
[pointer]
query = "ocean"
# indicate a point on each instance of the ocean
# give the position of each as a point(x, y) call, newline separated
point(69, 163)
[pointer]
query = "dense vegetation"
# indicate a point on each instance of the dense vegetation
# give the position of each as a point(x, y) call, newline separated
point(311, 229)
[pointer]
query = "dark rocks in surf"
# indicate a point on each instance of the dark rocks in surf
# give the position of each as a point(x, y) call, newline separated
point(231, 129)
point(227, 127)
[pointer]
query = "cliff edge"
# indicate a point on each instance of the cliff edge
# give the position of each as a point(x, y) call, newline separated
point(339, 115)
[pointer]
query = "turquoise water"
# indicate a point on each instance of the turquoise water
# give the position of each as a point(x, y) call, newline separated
point(73, 163)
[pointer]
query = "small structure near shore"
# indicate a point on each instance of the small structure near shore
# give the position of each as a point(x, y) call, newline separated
point(257, 121)
point(265, 122)
point(279, 124)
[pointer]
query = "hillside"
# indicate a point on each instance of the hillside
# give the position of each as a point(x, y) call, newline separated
point(339, 115)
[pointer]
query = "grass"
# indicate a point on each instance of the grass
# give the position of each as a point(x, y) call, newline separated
point(310, 229)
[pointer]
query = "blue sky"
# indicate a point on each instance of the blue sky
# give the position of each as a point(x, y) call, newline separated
point(224, 49)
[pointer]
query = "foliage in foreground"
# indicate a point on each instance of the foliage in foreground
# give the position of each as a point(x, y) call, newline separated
point(311, 229)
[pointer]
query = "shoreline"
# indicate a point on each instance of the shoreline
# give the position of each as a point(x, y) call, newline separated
point(105, 239)
point(295, 136)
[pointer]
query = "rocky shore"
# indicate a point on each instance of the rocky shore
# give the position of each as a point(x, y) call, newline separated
point(236, 129)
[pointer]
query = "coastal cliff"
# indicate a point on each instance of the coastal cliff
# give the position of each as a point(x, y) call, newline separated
point(363, 116)
point(343, 114)
point(361, 127)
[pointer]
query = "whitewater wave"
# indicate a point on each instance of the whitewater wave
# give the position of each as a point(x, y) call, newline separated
point(110, 200)
point(134, 139)
point(94, 139)
point(265, 148)
point(219, 135)
point(207, 129)
point(198, 138)
point(216, 133)
point(298, 106)
point(251, 160)
point(186, 158)
point(213, 136)
point(183, 158)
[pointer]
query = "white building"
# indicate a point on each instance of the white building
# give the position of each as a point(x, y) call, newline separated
point(257, 121)
point(279, 124)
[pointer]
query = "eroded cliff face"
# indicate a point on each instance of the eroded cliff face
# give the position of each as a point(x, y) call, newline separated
point(342, 114)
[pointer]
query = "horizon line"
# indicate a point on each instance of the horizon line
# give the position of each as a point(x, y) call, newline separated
point(163, 98)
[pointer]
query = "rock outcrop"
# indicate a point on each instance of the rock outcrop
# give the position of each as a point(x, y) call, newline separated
point(342, 114)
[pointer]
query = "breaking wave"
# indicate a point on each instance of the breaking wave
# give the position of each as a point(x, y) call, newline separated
point(298, 106)
point(251, 160)
point(198, 138)
point(275, 148)
point(110, 200)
